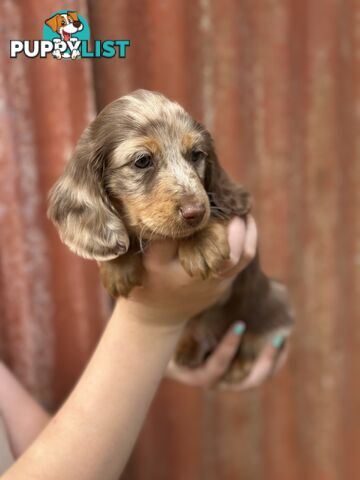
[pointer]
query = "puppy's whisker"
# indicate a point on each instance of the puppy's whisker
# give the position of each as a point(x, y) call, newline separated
point(141, 240)
point(223, 209)
point(152, 235)
point(219, 212)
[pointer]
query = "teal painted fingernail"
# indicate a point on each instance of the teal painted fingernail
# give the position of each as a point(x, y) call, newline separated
point(278, 341)
point(239, 328)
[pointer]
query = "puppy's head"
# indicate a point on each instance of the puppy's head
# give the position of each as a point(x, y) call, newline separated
point(67, 23)
point(143, 168)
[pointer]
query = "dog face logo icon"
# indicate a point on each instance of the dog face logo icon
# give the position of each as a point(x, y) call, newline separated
point(66, 34)
point(66, 26)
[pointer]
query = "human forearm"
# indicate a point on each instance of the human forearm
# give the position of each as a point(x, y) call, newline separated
point(22, 424)
point(102, 417)
point(93, 433)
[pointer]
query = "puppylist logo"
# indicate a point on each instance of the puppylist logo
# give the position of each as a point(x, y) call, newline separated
point(66, 34)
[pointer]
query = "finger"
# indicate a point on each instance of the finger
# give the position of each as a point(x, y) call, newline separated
point(250, 244)
point(247, 248)
point(160, 253)
point(219, 361)
point(188, 376)
point(283, 356)
point(216, 365)
point(236, 239)
point(271, 360)
point(255, 381)
point(262, 369)
point(251, 238)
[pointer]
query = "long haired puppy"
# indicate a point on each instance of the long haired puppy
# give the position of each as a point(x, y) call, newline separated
point(144, 169)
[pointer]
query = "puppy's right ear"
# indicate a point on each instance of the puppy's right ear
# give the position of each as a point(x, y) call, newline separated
point(52, 22)
point(78, 205)
point(73, 16)
point(226, 196)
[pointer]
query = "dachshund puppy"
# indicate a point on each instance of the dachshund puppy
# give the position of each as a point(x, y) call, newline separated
point(145, 169)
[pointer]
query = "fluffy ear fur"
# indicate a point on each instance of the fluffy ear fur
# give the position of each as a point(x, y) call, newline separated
point(226, 197)
point(81, 210)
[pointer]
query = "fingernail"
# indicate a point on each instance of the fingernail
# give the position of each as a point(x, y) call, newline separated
point(239, 328)
point(278, 341)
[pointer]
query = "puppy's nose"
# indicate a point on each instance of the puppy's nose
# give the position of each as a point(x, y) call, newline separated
point(193, 213)
point(76, 24)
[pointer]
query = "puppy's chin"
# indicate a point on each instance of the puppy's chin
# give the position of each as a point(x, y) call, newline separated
point(171, 230)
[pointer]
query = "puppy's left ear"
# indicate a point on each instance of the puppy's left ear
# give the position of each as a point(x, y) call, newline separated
point(225, 196)
point(52, 22)
point(80, 208)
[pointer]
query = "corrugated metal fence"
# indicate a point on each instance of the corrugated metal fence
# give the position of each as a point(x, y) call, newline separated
point(278, 84)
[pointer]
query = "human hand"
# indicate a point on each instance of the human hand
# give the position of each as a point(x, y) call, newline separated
point(210, 374)
point(170, 296)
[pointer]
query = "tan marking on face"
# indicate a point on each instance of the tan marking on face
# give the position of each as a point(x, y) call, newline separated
point(128, 149)
point(152, 145)
point(189, 140)
point(155, 214)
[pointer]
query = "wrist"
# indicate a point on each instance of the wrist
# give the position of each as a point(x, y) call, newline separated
point(148, 316)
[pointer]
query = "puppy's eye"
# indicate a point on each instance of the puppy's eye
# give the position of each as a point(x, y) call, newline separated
point(144, 161)
point(197, 155)
point(63, 22)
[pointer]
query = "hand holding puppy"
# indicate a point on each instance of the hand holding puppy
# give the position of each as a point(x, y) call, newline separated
point(170, 296)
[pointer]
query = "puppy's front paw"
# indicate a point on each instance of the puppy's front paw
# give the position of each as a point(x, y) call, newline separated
point(204, 253)
point(121, 275)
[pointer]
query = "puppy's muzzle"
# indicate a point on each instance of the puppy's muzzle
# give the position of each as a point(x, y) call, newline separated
point(192, 213)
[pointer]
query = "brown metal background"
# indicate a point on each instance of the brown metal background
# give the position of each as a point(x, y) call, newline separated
point(278, 84)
